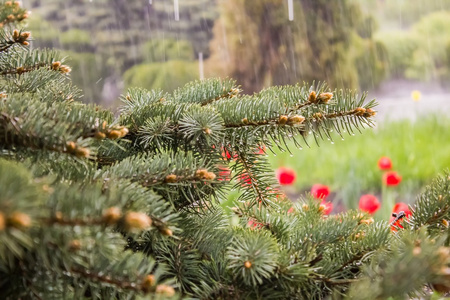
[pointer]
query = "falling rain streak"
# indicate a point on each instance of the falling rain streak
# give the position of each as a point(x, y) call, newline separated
point(200, 65)
point(291, 10)
point(176, 10)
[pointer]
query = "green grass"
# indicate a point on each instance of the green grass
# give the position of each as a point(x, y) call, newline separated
point(419, 151)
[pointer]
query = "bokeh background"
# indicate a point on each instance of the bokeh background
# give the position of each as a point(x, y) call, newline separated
point(398, 51)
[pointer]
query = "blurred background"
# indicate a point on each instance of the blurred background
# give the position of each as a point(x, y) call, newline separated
point(398, 51)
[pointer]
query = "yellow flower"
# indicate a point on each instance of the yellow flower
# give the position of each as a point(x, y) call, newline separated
point(415, 95)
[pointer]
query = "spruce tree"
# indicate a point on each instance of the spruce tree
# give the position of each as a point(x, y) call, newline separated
point(94, 205)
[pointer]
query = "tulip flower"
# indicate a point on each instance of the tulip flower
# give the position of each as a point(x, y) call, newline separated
point(391, 178)
point(369, 203)
point(285, 176)
point(320, 191)
point(398, 208)
point(384, 163)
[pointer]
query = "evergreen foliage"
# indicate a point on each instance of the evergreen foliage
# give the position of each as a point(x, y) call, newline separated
point(104, 207)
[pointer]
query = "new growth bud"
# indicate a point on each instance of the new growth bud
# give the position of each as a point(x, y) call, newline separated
point(295, 120)
point(171, 178)
point(137, 221)
point(247, 264)
point(19, 220)
point(369, 113)
point(366, 221)
point(203, 174)
point(312, 97)
point(99, 135)
point(323, 98)
point(112, 215)
point(148, 282)
point(207, 131)
point(282, 120)
point(165, 290)
point(166, 231)
point(2, 222)
point(75, 245)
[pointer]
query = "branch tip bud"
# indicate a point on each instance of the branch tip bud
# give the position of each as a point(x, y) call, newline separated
point(148, 282)
point(2, 222)
point(19, 220)
point(247, 264)
point(295, 120)
point(171, 178)
point(137, 221)
point(323, 98)
point(282, 119)
point(112, 215)
point(312, 97)
point(165, 290)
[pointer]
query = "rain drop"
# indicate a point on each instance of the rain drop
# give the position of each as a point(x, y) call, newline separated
point(291, 10)
point(176, 10)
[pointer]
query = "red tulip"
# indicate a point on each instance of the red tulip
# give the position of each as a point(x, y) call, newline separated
point(384, 163)
point(261, 150)
point(398, 208)
point(226, 154)
point(320, 191)
point(285, 176)
point(327, 207)
point(245, 179)
point(391, 178)
point(369, 203)
point(224, 174)
point(253, 224)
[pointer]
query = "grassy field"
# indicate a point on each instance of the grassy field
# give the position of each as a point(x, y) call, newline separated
point(419, 151)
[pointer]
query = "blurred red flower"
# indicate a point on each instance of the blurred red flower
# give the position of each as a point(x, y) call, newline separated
point(398, 207)
point(285, 176)
point(224, 174)
point(253, 224)
point(291, 210)
point(320, 191)
point(245, 179)
point(369, 203)
point(226, 154)
point(328, 207)
point(391, 178)
point(384, 163)
point(261, 150)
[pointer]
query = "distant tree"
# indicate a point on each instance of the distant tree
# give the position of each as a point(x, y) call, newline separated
point(257, 43)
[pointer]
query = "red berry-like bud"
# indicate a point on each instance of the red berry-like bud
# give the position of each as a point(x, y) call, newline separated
point(285, 176)
point(369, 203)
point(391, 178)
point(320, 191)
point(384, 163)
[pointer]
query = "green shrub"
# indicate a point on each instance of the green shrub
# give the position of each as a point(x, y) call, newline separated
point(160, 50)
point(400, 46)
point(165, 75)
point(75, 38)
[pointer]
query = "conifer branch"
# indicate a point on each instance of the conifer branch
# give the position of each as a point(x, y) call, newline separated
point(121, 283)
